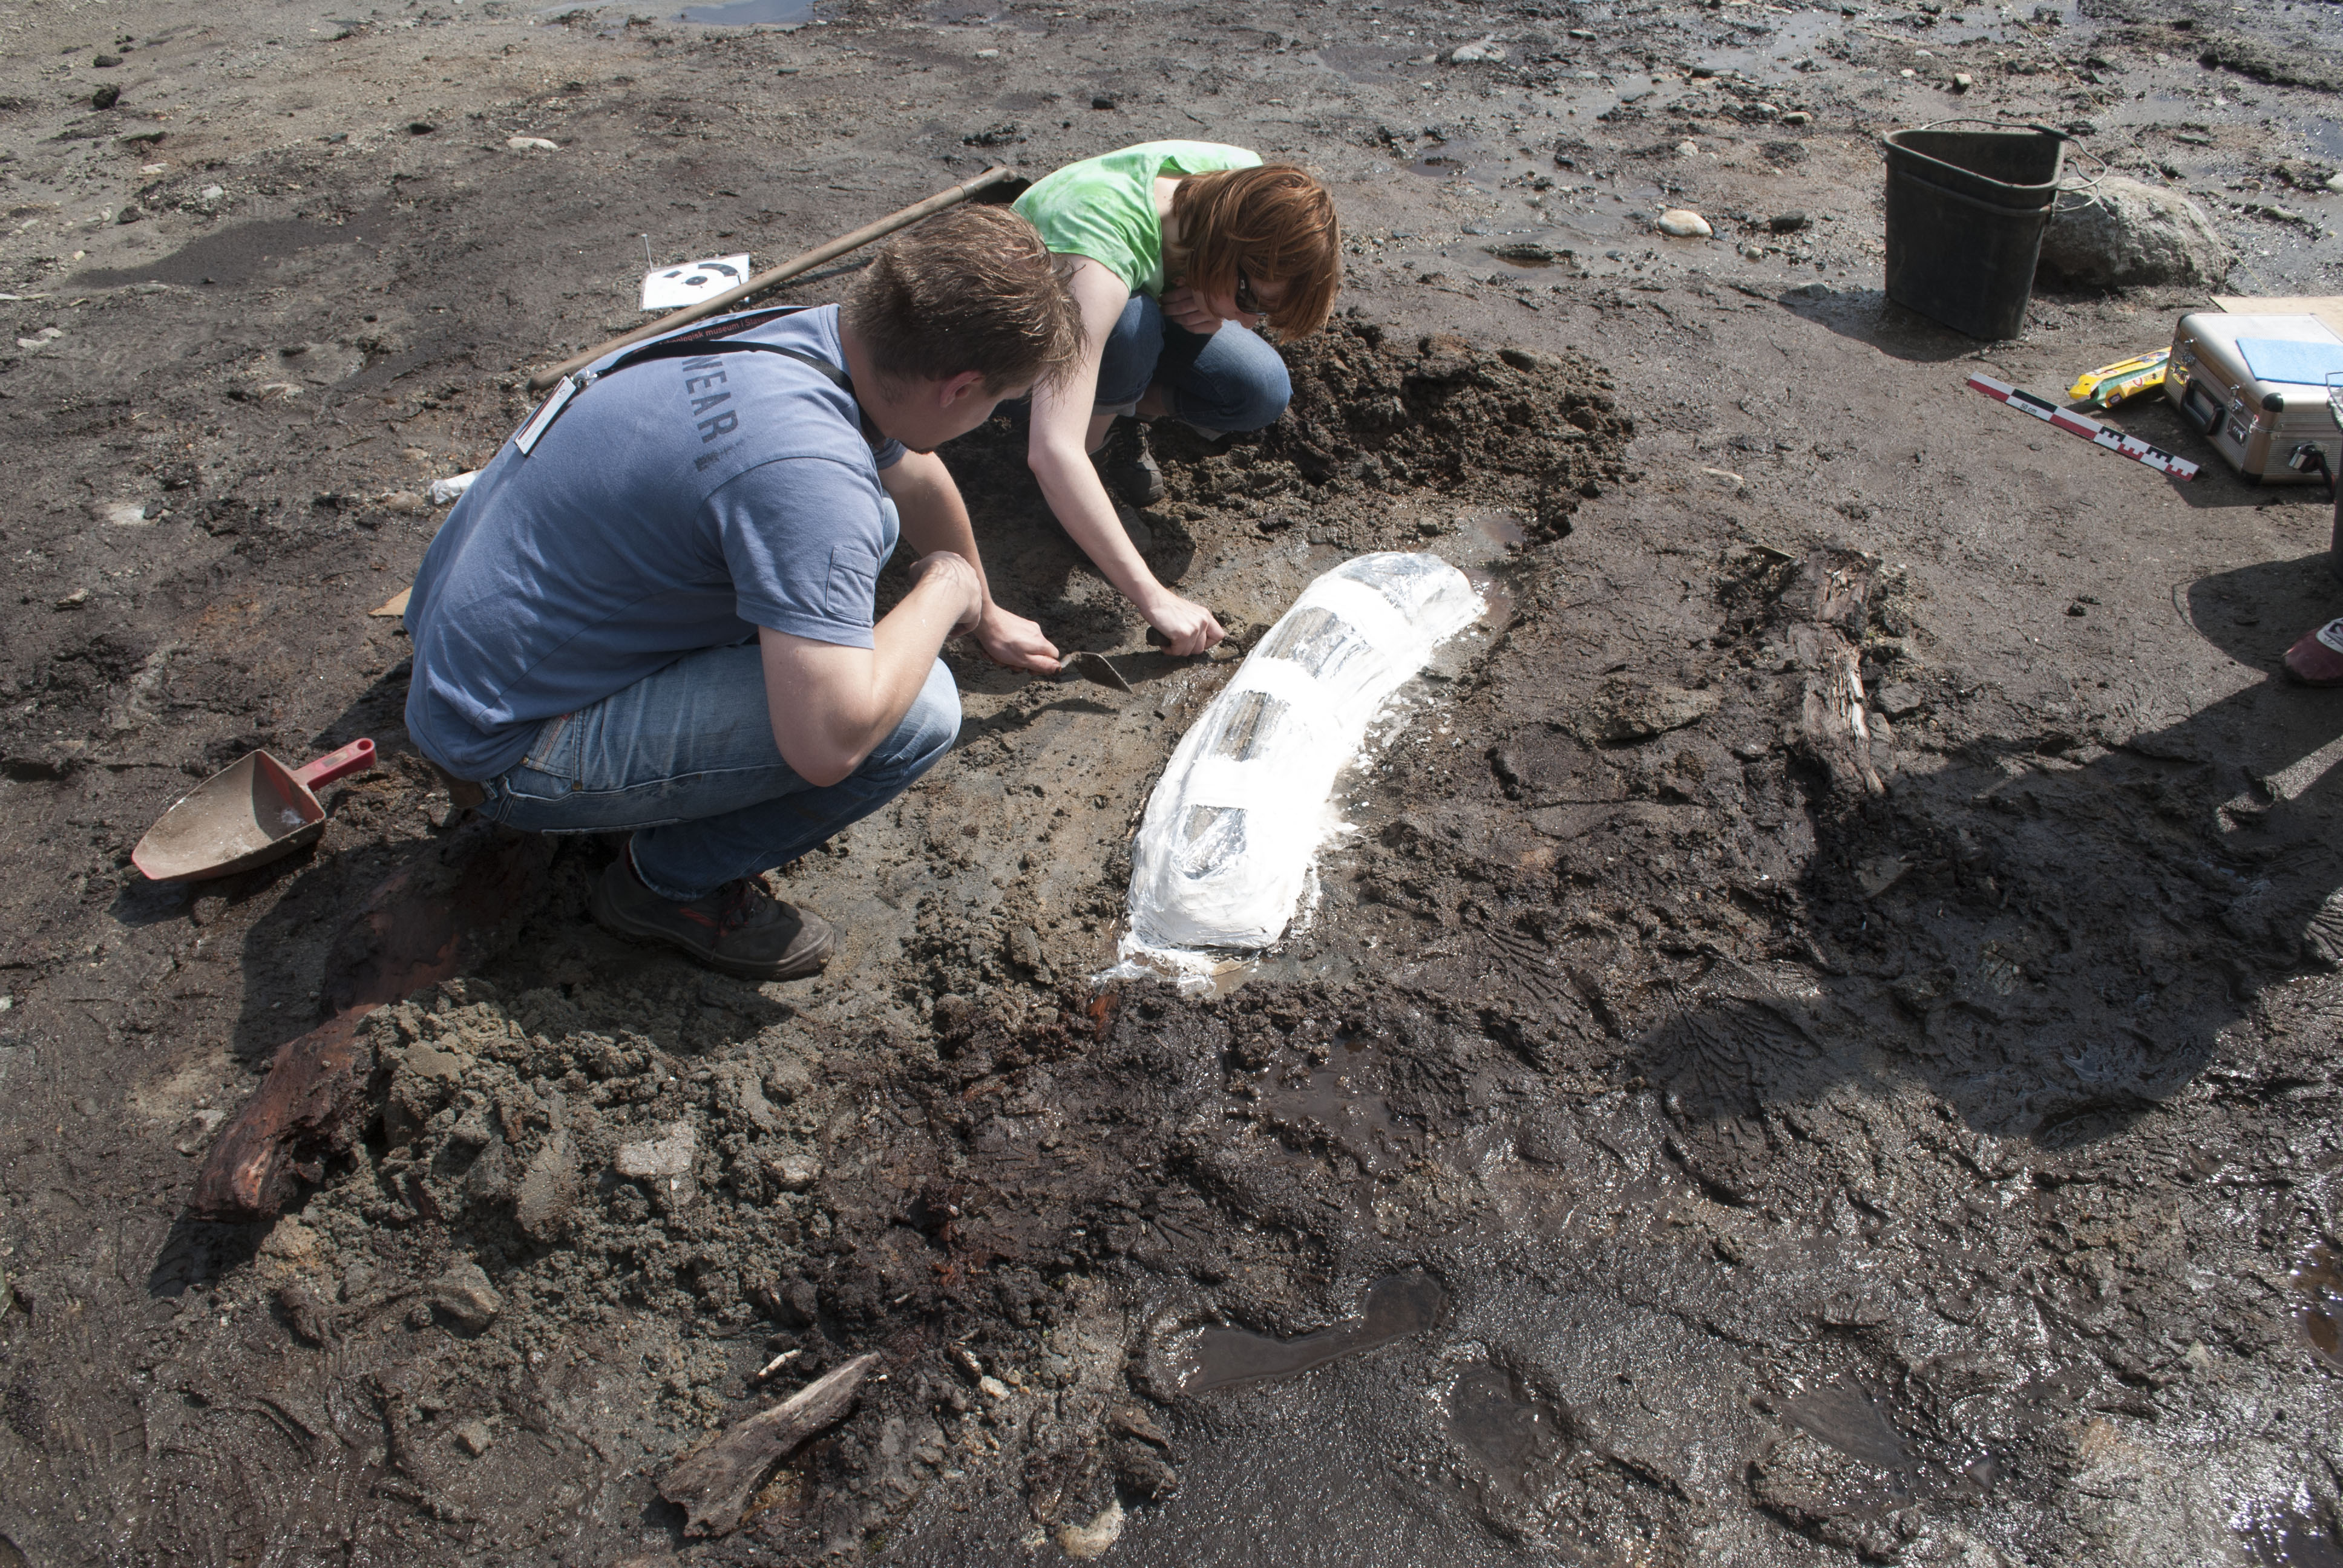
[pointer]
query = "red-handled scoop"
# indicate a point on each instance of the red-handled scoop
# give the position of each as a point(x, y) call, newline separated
point(244, 816)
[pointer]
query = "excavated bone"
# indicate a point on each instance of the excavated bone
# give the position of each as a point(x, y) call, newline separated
point(1225, 849)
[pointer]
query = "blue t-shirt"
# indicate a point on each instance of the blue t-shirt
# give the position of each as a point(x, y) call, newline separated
point(679, 504)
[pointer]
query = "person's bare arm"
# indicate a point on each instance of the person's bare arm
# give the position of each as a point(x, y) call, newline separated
point(1060, 457)
point(934, 517)
point(829, 705)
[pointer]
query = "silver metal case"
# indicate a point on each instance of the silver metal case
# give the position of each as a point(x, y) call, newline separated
point(2257, 427)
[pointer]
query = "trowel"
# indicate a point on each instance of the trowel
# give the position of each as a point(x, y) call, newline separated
point(1094, 668)
point(246, 815)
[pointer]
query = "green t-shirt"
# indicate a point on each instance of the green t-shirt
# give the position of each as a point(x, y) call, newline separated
point(1104, 208)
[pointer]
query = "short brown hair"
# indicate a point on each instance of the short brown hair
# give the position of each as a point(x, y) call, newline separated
point(973, 288)
point(1277, 223)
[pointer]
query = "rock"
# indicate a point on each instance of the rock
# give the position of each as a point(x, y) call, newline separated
point(121, 514)
point(2334, 183)
point(1786, 222)
point(1962, 81)
point(541, 1201)
point(1898, 702)
point(43, 338)
point(106, 62)
point(1481, 51)
point(1527, 255)
point(2134, 234)
point(992, 1388)
point(1797, 117)
point(420, 127)
point(1687, 149)
point(464, 1293)
point(794, 1172)
point(1101, 101)
point(1683, 223)
point(668, 1155)
point(105, 97)
point(1632, 711)
point(1082, 1542)
point(474, 1438)
point(198, 1131)
point(531, 144)
point(74, 600)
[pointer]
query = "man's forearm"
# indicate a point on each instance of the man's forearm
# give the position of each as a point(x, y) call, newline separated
point(831, 705)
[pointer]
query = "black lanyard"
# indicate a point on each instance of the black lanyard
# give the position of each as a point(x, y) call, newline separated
point(697, 341)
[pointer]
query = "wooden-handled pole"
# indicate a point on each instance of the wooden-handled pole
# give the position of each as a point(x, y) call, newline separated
point(950, 197)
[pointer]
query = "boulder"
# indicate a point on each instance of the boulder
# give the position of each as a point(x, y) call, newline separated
point(2130, 233)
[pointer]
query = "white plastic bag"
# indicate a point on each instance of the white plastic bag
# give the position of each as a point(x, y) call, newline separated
point(1225, 849)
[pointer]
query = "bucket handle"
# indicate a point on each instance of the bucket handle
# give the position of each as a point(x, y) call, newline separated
point(2088, 188)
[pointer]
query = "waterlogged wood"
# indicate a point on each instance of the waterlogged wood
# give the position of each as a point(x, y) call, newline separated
point(712, 1483)
point(437, 917)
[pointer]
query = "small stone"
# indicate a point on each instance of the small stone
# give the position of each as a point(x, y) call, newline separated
point(794, 1172)
point(474, 1438)
point(200, 1129)
point(992, 1388)
point(988, 53)
point(1685, 224)
point(1786, 222)
point(1962, 81)
point(787, 70)
point(2334, 183)
point(1797, 117)
point(74, 601)
point(1899, 701)
point(106, 62)
point(2134, 235)
point(531, 144)
point(1101, 101)
point(1481, 51)
point(420, 127)
point(1687, 149)
point(210, 194)
point(670, 1153)
point(105, 97)
point(464, 1293)
point(129, 214)
point(123, 515)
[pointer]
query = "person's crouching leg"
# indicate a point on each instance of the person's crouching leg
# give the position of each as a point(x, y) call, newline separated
point(739, 927)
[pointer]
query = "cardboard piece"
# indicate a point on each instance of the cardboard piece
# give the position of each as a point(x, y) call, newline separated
point(673, 287)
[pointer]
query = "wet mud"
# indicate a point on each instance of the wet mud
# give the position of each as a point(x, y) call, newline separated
point(1815, 1043)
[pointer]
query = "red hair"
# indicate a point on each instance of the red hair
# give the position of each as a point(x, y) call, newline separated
point(1277, 223)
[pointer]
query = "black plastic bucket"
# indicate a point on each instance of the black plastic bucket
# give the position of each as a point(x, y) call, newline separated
point(1965, 212)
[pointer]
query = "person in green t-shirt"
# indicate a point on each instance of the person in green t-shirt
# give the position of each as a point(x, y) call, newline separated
point(1180, 249)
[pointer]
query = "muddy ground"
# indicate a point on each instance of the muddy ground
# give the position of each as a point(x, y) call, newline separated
point(1681, 1133)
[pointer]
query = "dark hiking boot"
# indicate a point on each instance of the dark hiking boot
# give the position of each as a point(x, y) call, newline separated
point(1128, 467)
point(740, 929)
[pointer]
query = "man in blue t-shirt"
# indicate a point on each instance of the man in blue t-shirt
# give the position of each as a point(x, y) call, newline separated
point(656, 611)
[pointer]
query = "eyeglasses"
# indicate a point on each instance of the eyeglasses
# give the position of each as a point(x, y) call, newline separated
point(1247, 302)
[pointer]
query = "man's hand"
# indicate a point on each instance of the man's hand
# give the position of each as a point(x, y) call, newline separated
point(1188, 628)
point(957, 574)
point(1012, 641)
point(1185, 305)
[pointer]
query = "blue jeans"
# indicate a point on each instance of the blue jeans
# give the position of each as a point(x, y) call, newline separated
point(686, 758)
point(1231, 380)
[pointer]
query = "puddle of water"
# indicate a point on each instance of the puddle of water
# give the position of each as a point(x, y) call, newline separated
point(1397, 1306)
point(751, 14)
point(1511, 1431)
point(2289, 1534)
point(1848, 1418)
point(2320, 1282)
point(2327, 136)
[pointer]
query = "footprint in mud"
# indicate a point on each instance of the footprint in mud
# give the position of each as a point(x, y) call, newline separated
point(1510, 1431)
point(1397, 1305)
point(2320, 1282)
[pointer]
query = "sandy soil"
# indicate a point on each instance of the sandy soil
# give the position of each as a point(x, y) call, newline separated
point(1683, 1132)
